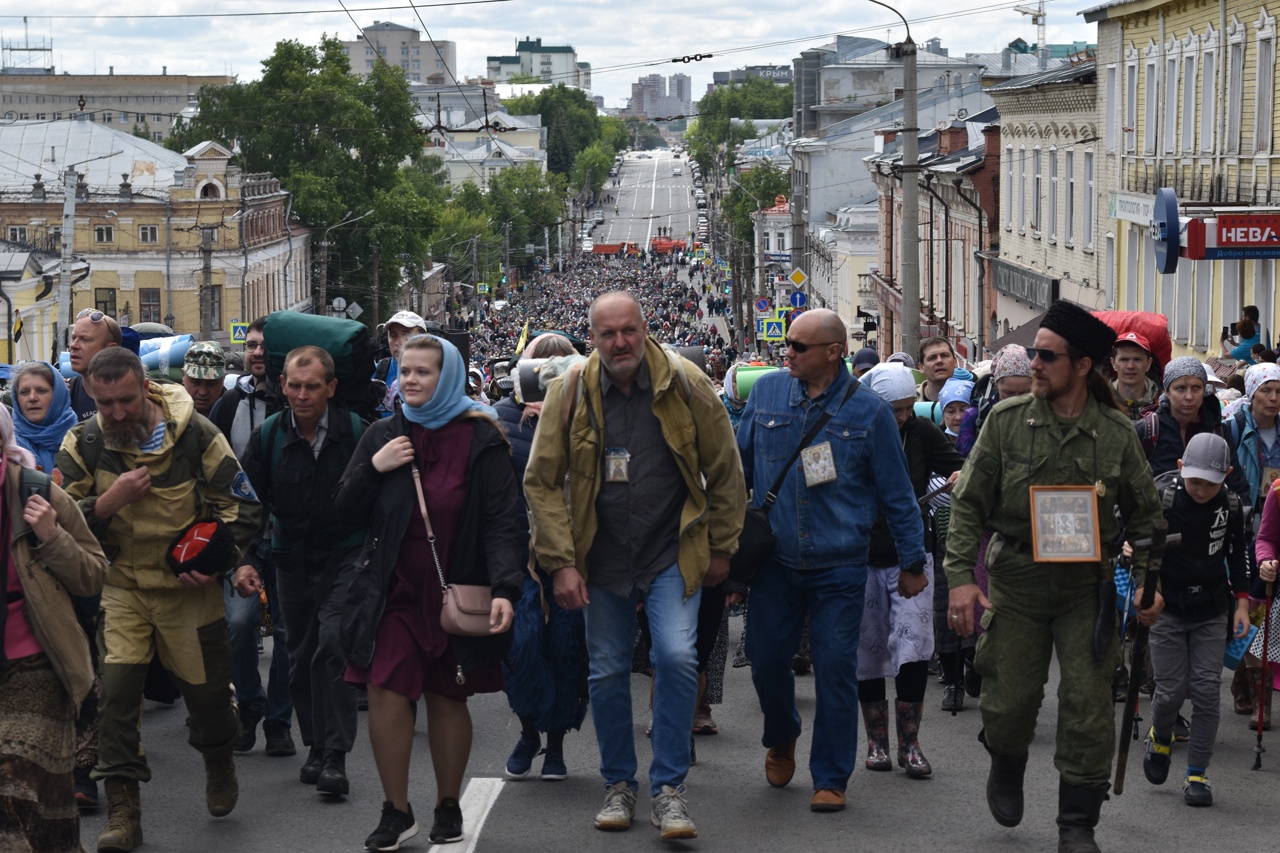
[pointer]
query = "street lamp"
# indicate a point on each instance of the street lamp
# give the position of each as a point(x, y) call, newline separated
point(322, 300)
point(910, 236)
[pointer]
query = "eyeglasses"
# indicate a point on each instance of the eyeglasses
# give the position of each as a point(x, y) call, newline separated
point(1047, 356)
point(254, 346)
point(94, 316)
point(797, 346)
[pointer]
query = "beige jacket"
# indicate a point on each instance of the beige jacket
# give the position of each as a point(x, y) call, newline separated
point(71, 563)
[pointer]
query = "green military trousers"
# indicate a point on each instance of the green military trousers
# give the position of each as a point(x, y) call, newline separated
point(1038, 609)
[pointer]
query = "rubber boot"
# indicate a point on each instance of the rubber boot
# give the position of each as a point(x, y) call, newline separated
point(1261, 699)
point(910, 758)
point(123, 831)
point(1004, 785)
point(221, 790)
point(875, 717)
point(1078, 810)
point(1241, 691)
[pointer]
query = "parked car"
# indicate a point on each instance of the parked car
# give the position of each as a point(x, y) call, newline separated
point(677, 171)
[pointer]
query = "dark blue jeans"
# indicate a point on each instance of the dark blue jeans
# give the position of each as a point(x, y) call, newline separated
point(780, 598)
point(243, 617)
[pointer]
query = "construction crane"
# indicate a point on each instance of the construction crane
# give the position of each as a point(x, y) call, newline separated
point(1036, 13)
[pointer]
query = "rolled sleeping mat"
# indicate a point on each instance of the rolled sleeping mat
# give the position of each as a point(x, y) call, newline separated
point(748, 374)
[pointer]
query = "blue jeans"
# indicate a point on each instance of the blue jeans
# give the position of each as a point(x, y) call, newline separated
point(611, 637)
point(243, 617)
point(833, 598)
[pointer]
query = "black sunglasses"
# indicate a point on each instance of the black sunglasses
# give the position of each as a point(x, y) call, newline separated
point(1047, 356)
point(797, 346)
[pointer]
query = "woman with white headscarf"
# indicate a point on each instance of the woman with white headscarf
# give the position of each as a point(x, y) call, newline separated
point(897, 620)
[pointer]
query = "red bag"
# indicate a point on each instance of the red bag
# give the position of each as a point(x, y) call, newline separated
point(1153, 327)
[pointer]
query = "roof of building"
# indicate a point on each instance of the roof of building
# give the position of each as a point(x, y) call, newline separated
point(532, 122)
point(1102, 13)
point(384, 26)
point(504, 60)
point(1019, 63)
point(484, 148)
point(536, 46)
point(1085, 72)
point(101, 154)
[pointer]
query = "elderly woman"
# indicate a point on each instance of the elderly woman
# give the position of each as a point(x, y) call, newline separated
point(1011, 375)
point(46, 671)
point(897, 619)
point(435, 487)
point(41, 411)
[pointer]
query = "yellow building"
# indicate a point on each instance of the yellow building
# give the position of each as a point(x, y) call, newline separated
point(1187, 94)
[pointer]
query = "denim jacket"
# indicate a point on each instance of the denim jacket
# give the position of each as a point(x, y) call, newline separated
point(829, 524)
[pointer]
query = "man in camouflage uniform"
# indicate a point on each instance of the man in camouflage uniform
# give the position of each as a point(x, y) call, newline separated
point(143, 469)
point(1068, 432)
point(203, 368)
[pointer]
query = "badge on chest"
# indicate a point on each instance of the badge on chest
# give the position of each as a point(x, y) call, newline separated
point(617, 465)
point(819, 464)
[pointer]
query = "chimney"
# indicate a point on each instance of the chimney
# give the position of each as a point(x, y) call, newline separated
point(37, 189)
point(126, 188)
point(111, 71)
point(1006, 61)
point(82, 189)
point(952, 138)
point(164, 70)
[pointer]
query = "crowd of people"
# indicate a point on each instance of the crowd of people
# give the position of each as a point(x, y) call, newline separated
point(462, 539)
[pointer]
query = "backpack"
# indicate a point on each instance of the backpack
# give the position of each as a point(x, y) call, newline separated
point(33, 482)
point(1150, 432)
point(1237, 429)
point(573, 388)
point(349, 343)
point(1165, 488)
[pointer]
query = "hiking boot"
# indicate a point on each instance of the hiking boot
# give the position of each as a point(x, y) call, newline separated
point(1078, 810)
point(249, 719)
point(553, 767)
point(1155, 762)
point(1004, 785)
point(86, 789)
point(953, 698)
point(875, 717)
point(827, 800)
point(910, 758)
point(670, 814)
point(619, 808)
point(448, 824)
point(333, 774)
point(520, 761)
point(1241, 691)
point(780, 764)
point(279, 740)
point(220, 787)
point(123, 831)
point(310, 772)
point(1195, 790)
point(395, 828)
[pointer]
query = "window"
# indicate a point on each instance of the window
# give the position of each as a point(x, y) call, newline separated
point(382, 51)
point(1265, 91)
point(1037, 190)
point(1069, 223)
point(782, 241)
point(1232, 288)
point(1111, 108)
point(104, 234)
point(1008, 190)
point(1188, 103)
point(368, 63)
point(104, 299)
point(1088, 200)
point(417, 63)
point(1147, 263)
point(1264, 279)
point(1203, 290)
point(149, 234)
point(1182, 309)
point(1110, 265)
point(1208, 99)
point(1053, 194)
point(439, 63)
point(18, 233)
point(1133, 277)
point(215, 307)
point(765, 238)
point(405, 65)
point(107, 118)
point(404, 51)
point(1022, 188)
point(1235, 95)
point(148, 305)
point(1171, 104)
point(368, 51)
point(157, 136)
point(1131, 108)
point(1151, 95)
point(417, 51)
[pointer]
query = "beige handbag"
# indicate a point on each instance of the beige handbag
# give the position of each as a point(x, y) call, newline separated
point(466, 606)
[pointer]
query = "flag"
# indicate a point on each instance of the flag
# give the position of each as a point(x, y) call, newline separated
point(17, 326)
point(524, 338)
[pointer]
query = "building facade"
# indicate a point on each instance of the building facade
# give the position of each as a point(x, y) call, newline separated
point(402, 47)
point(546, 62)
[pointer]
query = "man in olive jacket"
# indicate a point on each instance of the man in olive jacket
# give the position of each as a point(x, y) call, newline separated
point(655, 504)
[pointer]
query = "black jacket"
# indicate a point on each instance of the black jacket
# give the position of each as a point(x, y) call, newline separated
point(1166, 449)
point(520, 435)
point(486, 550)
point(1192, 580)
point(929, 452)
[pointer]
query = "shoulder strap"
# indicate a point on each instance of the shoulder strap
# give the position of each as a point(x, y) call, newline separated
point(677, 363)
point(89, 443)
point(771, 497)
point(31, 479)
point(1237, 428)
point(1151, 424)
point(572, 396)
point(357, 425)
point(271, 426)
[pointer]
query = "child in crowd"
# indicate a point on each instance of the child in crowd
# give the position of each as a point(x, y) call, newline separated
point(1187, 641)
point(954, 398)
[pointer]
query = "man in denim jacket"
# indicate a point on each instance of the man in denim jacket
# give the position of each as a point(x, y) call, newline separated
point(822, 520)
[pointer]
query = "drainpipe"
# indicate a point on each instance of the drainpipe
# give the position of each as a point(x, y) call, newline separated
point(946, 263)
point(288, 230)
point(244, 250)
point(8, 323)
point(168, 255)
point(980, 338)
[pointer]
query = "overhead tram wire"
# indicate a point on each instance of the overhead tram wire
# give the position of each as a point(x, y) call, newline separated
point(276, 13)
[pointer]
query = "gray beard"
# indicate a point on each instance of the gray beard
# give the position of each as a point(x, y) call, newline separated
point(125, 436)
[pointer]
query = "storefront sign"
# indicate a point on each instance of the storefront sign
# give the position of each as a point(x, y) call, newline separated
point(1024, 284)
point(1131, 208)
point(1252, 231)
point(777, 257)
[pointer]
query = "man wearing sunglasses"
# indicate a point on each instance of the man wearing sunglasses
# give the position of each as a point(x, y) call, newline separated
point(1069, 432)
point(92, 333)
point(849, 471)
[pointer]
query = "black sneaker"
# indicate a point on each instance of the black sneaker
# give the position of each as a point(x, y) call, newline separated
point(1155, 763)
point(395, 828)
point(448, 824)
point(279, 741)
point(86, 790)
point(1196, 791)
point(249, 718)
point(1181, 730)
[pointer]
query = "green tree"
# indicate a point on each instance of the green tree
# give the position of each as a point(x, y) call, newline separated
point(560, 151)
point(572, 110)
point(613, 133)
point(591, 167)
point(143, 131)
point(750, 191)
point(754, 99)
point(527, 199)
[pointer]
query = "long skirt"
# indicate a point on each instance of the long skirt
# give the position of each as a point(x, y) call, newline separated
point(37, 731)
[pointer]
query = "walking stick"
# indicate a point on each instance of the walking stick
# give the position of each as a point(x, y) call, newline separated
point(1159, 538)
point(1266, 673)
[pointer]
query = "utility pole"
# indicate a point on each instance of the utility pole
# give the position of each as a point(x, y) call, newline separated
point(910, 201)
point(475, 278)
point(322, 295)
point(506, 248)
point(206, 283)
point(377, 315)
point(69, 180)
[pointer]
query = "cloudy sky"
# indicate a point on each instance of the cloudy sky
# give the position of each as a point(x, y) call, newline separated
point(621, 40)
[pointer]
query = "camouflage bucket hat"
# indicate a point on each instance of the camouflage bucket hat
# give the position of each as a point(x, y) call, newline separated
point(205, 360)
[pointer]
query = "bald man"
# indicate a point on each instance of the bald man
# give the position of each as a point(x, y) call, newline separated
point(92, 333)
point(851, 467)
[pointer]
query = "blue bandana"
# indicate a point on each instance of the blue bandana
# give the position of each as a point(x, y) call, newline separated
point(450, 398)
point(44, 439)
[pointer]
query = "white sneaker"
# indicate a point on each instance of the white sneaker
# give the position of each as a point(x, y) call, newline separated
point(619, 808)
point(671, 814)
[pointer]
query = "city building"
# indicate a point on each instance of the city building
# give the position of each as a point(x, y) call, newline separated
point(402, 47)
point(549, 63)
point(478, 161)
point(140, 215)
point(655, 95)
point(780, 74)
point(452, 105)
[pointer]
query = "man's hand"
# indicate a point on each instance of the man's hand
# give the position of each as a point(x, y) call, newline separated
point(570, 588)
point(195, 579)
point(909, 585)
point(960, 607)
point(129, 488)
point(247, 581)
point(1149, 616)
point(501, 615)
point(716, 572)
point(42, 517)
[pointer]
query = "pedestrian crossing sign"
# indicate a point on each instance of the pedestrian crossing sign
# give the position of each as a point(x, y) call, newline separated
point(239, 333)
point(774, 330)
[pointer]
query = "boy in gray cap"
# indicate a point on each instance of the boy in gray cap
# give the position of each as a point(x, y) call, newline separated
point(202, 370)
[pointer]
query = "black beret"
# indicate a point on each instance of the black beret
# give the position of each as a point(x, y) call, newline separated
point(1081, 329)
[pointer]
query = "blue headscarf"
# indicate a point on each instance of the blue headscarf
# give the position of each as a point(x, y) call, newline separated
point(450, 398)
point(44, 439)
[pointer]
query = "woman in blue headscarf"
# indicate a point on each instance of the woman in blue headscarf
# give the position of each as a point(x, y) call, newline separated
point(391, 630)
point(42, 411)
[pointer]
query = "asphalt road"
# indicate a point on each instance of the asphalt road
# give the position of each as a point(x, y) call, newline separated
point(650, 195)
point(734, 808)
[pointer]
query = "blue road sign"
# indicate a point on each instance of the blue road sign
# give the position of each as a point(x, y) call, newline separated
point(774, 330)
point(798, 299)
point(763, 304)
point(239, 333)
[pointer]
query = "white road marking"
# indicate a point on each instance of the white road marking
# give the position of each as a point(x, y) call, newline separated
point(477, 801)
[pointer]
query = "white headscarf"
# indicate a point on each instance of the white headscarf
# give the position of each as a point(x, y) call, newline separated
point(892, 381)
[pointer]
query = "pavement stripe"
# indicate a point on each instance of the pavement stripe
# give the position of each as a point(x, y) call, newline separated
point(477, 801)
